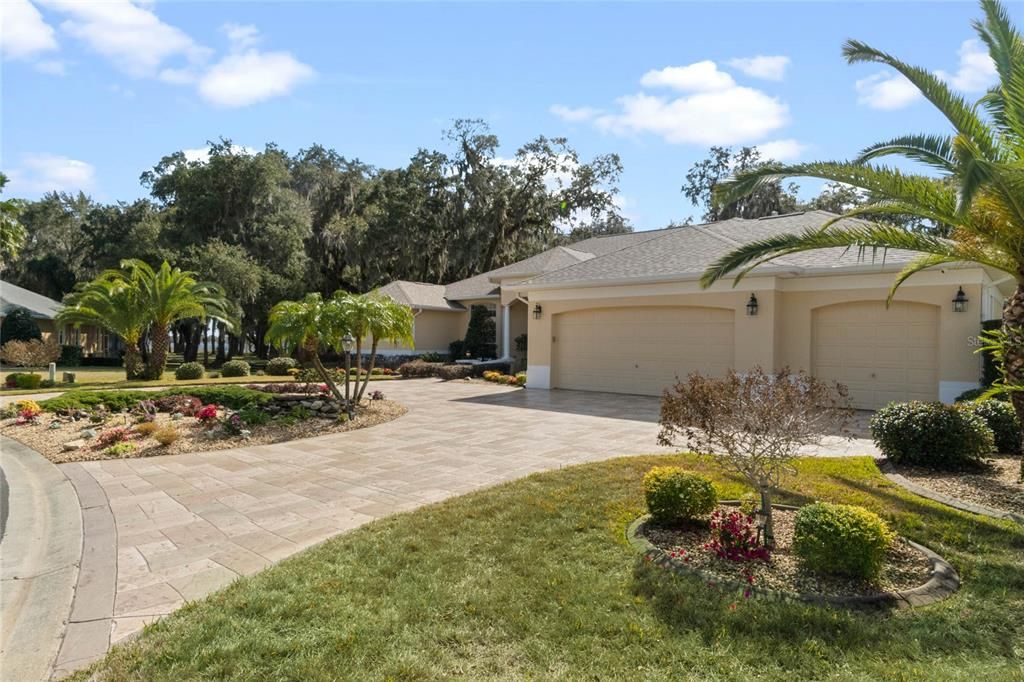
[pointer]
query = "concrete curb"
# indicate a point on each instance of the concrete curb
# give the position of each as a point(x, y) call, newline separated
point(87, 637)
point(942, 583)
point(39, 562)
point(963, 505)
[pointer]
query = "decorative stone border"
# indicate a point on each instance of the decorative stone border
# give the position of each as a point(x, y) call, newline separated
point(942, 582)
point(889, 472)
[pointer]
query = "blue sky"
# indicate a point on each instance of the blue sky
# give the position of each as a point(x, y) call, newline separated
point(94, 94)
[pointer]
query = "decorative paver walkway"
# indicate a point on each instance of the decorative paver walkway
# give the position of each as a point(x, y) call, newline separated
point(186, 525)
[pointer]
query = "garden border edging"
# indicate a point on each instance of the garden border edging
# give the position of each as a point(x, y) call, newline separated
point(942, 583)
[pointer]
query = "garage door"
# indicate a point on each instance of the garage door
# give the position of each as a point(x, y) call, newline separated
point(639, 350)
point(880, 354)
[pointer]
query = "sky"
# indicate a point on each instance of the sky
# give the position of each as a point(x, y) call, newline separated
point(94, 93)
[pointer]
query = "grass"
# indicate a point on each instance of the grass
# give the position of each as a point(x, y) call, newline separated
point(89, 378)
point(534, 580)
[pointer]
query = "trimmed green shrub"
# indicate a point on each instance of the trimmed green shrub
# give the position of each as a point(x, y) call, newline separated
point(453, 372)
point(70, 356)
point(232, 397)
point(28, 381)
point(189, 370)
point(19, 325)
point(673, 494)
point(278, 367)
point(1002, 419)
point(840, 539)
point(418, 369)
point(235, 368)
point(932, 435)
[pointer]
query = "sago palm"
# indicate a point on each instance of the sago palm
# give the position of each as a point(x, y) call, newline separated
point(108, 303)
point(312, 324)
point(169, 295)
point(978, 191)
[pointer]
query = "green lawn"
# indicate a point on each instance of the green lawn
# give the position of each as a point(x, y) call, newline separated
point(113, 377)
point(534, 580)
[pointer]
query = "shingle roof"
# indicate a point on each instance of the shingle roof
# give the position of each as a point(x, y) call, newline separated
point(419, 295)
point(479, 286)
point(41, 307)
point(685, 252)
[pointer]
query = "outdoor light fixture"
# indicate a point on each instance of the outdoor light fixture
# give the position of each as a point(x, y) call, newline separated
point(537, 311)
point(348, 343)
point(960, 301)
point(752, 305)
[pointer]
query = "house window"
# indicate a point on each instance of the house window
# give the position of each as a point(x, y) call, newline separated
point(492, 309)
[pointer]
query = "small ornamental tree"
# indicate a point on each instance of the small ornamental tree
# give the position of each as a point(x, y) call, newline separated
point(18, 325)
point(312, 325)
point(753, 423)
point(34, 353)
point(480, 333)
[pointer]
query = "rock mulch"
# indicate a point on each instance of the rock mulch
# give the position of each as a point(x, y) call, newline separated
point(997, 486)
point(51, 435)
point(905, 567)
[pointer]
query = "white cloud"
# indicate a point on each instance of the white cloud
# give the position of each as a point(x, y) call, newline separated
point(130, 36)
point(574, 114)
point(772, 68)
point(202, 154)
point(242, 79)
point(731, 116)
point(38, 173)
point(698, 77)
point(241, 37)
point(781, 150)
point(977, 70)
point(23, 33)
point(886, 91)
point(54, 67)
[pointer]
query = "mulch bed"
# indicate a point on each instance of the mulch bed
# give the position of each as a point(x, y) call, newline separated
point(996, 485)
point(904, 569)
point(49, 442)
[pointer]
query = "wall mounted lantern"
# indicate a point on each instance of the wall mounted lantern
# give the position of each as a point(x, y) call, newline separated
point(752, 305)
point(537, 311)
point(960, 301)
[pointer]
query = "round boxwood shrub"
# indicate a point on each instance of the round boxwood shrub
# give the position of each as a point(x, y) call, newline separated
point(278, 367)
point(189, 370)
point(932, 435)
point(1002, 419)
point(840, 539)
point(235, 368)
point(673, 494)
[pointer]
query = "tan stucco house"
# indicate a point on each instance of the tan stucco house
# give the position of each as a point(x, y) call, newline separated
point(626, 314)
point(95, 342)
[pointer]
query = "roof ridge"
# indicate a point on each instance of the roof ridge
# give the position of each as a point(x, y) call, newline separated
point(738, 244)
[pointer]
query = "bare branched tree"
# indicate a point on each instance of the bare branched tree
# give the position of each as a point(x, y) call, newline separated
point(754, 423)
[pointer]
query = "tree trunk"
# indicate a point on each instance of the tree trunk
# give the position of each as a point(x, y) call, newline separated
point(132, 361)
point(369, 369)
point(219, 326)
point(195, 335)
point(328, 379)
point(158, 351)
point(1013, 353)
point(768, 532)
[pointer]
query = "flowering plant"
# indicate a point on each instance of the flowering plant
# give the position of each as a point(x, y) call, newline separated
point(377, 395)
point(118, 434)
point(207, 414)
point(232, 424)
point(181, 404)
point(734, 537)
point(147, 410)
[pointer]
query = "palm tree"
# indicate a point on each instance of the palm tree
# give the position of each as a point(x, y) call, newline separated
point(12, 234)
point(314, 325)
point(109, 303)
point(979, 192)
point(169, 295)
point(382, 319)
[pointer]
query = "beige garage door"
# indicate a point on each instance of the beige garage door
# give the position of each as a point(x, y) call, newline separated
point(880, 354)
point(639, 350)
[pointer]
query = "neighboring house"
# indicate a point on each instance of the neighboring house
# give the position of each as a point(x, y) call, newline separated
point(94, 342)
point(626, 313)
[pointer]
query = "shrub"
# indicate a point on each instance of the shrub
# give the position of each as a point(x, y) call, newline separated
point(234, 397)
point(279, 367)
point(417, 369)
point(734, 537)
point(235, 368)
point(11, 380)
point(480, 333)
point(46, 383)
point(119, 450)
point(841, 539)
point(166, 435)
point(377, 395)
point(456, 350)
point(146, 429)
point(432, 357)
point(118, 434)
point(28, 381)
point(181, 404)
point(189, 371)
point(70, 356)
point(452, 372)
point(19, 325)
point(1002, 419)
point(674, 495)
point(253, 416)
point(931, 434)
point(34, 353)
point(521, 379)
point(28, 406)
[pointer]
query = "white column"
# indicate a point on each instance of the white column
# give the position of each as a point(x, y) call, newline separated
point(506, 351)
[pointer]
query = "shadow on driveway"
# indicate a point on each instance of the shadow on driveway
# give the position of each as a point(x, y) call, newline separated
point(609, 405)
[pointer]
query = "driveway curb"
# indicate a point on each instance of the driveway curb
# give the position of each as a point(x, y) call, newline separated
point(40, 555)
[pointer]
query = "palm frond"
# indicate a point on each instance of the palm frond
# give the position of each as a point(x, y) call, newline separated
point(934, 150)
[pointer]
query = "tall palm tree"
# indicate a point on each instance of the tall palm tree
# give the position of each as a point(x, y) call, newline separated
point(107, 302)
point(314, 325)
point(169, 295)
point(979, 191)
point(374, 317)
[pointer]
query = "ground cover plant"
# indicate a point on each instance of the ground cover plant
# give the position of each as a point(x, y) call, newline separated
point(534, 579)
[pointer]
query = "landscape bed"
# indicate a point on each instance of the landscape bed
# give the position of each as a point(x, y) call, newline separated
point(535, 579)
point(996, 484)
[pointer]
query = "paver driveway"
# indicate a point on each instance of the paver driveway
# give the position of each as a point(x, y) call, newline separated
point(163, 530)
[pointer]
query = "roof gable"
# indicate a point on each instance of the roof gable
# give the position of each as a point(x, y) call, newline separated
point(41, 307)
